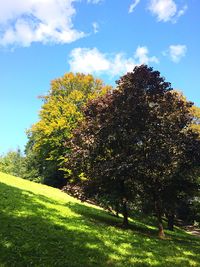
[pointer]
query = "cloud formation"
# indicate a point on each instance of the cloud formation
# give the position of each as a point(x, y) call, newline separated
point(94, 1)
point(166, 10)
point(141, 56)
point(133, 6)
point(47, 21)
point(176, 52)
point(88, 60)
point(95, 26)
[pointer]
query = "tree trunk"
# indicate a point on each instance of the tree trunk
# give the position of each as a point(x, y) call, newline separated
point(161, 233)
point(117, 209)
point(125, 213)
point(170, 222)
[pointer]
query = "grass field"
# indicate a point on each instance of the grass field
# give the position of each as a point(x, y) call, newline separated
point(41, 226)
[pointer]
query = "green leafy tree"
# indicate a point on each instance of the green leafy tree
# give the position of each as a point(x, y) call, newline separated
point(13, 163)
point(33, 164)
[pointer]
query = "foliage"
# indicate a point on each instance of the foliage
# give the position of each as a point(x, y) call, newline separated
point(33, 165)
point(59, 115)
point(41, 226)
point(196, 121)
point(135, 140)
point(13, 163)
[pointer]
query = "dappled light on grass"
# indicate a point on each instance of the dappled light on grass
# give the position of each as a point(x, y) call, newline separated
point(41, 226)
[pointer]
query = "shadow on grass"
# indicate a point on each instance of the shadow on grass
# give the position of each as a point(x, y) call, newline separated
point(38, 231)
point(102, 217)
point(32, 234)
point(139, 224)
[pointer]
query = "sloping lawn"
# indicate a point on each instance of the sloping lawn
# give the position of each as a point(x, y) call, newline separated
point(41, 226)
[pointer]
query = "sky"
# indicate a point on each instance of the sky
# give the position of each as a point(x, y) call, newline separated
point(40, 40)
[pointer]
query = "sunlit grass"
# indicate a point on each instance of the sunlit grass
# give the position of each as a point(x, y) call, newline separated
point(41, 226)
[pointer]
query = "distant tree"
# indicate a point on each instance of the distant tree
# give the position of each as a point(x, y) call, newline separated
point(13, 163)
point(133, 140)
point(59, 115)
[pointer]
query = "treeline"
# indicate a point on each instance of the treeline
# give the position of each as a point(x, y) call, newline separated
point(16, 163)
point(137, 145)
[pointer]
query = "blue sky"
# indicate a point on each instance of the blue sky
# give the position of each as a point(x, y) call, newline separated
point(42, 39)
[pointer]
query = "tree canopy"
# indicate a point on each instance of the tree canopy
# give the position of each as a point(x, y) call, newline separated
point(59, 115)
point(13, 163)
point(133, 141)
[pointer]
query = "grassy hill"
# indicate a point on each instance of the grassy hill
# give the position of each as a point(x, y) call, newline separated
point(41, 226)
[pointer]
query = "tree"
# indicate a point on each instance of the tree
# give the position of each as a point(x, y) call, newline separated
point(33, 163)
point(133, 140)
point(13, 163)
point(59, 115)
point(98, 160)
point(184, 188)
point(196, 120)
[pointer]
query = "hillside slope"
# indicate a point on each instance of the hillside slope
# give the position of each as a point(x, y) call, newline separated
point(41, 226)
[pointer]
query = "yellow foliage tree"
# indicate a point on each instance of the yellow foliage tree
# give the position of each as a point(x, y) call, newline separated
point(59, 115)
point(196, 121)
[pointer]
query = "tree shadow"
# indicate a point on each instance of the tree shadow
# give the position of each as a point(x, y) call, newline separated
point(38, 231)
point(41, 238)
point(99, 216)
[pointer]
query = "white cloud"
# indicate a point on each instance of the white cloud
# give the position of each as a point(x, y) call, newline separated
point(94, 1)
point(47, 21)
point(87, 60)
point(141, 55)
point(133, 5)
point(176, 52)
point(181, 12)
point(166, 10)
point(95, 26)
